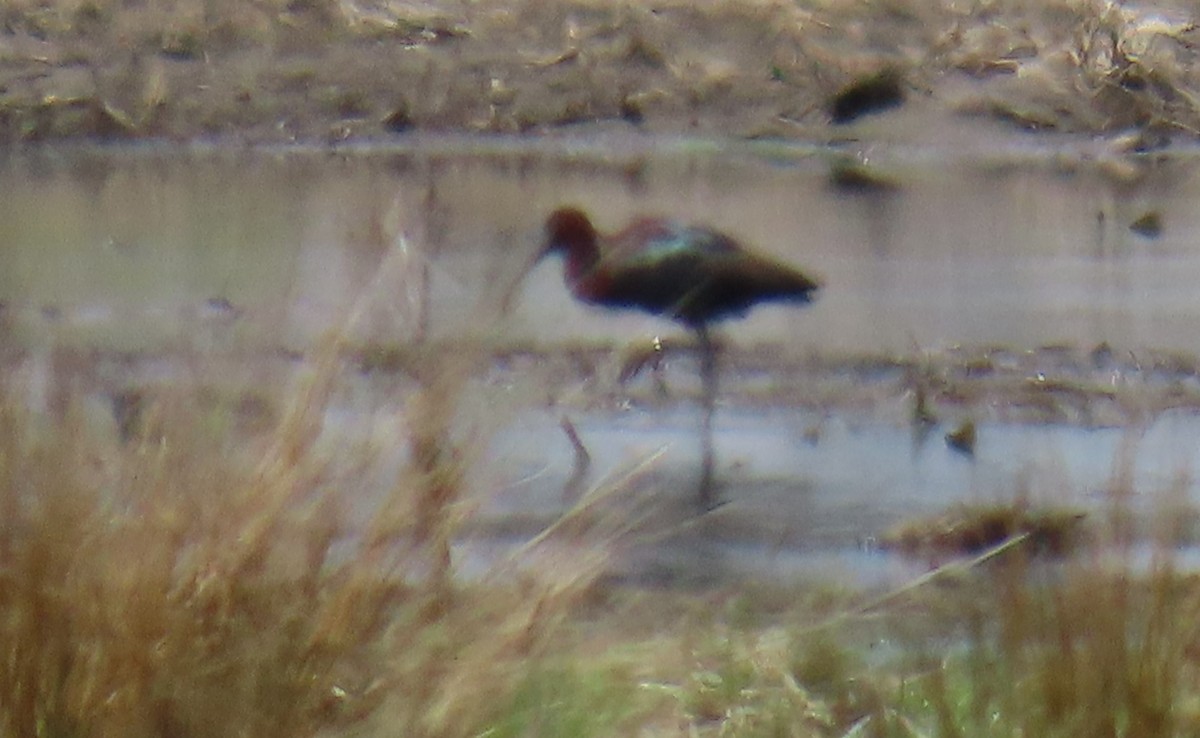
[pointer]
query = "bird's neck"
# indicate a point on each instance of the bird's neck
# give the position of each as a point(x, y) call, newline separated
point(581, 261)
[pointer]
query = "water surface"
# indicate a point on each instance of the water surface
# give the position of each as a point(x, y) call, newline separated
point(147, 258)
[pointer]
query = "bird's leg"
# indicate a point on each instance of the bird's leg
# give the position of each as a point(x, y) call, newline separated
point(583, 460)
point(708, 376)
point(638, 357)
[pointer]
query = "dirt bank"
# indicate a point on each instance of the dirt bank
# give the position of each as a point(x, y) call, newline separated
point(326, 71)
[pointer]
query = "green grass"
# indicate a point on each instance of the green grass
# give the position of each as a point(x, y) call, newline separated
point(1095, 653)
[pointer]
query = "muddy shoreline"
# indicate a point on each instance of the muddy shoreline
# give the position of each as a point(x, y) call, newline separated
point(324, 72)
point(1096, 387)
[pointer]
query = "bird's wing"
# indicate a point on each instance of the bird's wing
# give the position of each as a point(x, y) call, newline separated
point(714, 257)
point(701, 242)
point(655, 243)
point(714, 264)
point(668, 268)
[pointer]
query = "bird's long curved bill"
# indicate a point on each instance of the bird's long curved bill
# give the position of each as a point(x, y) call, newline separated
point(510, 294)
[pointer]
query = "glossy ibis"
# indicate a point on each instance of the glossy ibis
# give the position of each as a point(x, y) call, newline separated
point(688, 273)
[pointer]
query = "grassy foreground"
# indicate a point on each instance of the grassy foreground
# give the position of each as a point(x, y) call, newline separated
point(186, 584)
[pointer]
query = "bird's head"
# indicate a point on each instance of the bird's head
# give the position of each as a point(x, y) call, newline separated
point(568, 231)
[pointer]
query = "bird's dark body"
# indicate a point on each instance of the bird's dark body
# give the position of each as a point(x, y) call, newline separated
point(692, 274)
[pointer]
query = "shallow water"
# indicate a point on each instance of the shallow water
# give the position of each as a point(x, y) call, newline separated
point(152, 254)
point(1036, 248)
point(794, 506)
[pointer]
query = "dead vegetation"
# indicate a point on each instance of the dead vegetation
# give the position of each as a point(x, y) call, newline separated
point(970, 529)
point(169, 586)
point(324, 71)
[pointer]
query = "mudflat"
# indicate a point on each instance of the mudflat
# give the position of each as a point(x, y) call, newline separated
point(324, 71)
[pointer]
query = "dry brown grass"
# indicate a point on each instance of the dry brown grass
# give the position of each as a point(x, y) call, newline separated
point(180, 586)
point(190, 584)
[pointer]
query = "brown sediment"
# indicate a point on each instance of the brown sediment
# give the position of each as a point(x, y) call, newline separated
point(325, 72)
point(967, 530)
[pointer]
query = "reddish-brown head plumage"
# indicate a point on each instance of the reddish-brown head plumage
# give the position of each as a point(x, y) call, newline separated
point(569, 229)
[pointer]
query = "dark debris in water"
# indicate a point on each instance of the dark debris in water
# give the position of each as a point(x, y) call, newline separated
point(1149, 224)
point(866, 95)
point(962, 438)
point(856, 178)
